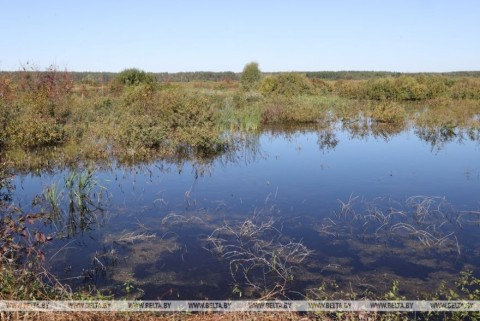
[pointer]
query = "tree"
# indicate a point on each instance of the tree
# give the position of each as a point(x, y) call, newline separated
point(250, 76)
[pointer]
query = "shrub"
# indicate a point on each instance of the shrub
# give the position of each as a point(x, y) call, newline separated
point(286, 84)
point(268, 85)
point(436, 86)
point(104, 106)
point(47, 93)
point(5, 96)
point(250, 76)
point(394, 89)
point(323, 87)
point(408, 88)
point(134, 77)
point(381, 89)
point(29, 132)
point(351, 89)
point(6, 91)
point(177, 120)
point(3, 136)
point(273, 112)
point(288, 110)
point(191, 120)
point(466, 88)
point(139, 98)
point(387, 112)
point(143, 132)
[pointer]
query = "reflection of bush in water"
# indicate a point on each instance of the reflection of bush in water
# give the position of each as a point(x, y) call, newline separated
point(261, 259)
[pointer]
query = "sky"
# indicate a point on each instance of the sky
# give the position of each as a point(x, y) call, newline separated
point(224, 35)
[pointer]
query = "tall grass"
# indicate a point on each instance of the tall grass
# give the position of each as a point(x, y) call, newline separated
point(53, 196)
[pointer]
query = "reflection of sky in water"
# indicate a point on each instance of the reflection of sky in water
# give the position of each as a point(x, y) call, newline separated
point(292, 172)
point(299, 173)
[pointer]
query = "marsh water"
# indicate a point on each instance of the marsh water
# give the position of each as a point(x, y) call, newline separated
point(370, 207)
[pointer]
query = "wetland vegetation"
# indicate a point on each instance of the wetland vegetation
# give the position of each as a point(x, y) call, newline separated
point(220, 185)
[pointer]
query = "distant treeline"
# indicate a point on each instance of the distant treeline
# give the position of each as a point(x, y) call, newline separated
point(361, 75)
point(105, 77)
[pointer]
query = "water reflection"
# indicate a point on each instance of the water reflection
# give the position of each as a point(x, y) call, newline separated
point(246, 147)
point(438, 137)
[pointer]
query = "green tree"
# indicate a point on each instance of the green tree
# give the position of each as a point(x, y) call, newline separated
point(250, 76)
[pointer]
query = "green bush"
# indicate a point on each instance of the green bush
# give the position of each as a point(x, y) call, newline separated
point(273, 112)
point(408, 88)
point(4, 120)
point(286, 84)
point(143, 132)
point(387, 112)
point(47, 93)
point(323, 87)
point(352, 89)
point(139, 98)
point(404, 88)
point(437, 86)
point(3, 137)
point(176, 120)
point(466, 88)
point(134, 77)
point(381, 89)
point(104, 106)
point(268, 85)
point(29, 132)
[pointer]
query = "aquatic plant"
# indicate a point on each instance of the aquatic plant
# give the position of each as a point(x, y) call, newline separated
point(259, 257)
point(52, 196)
point(430, 220)
point(85, 201)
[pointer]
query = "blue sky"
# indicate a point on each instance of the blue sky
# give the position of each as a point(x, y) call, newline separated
point(300, 35)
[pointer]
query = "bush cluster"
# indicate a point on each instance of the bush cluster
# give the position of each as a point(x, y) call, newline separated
point(286, 84)
point(34, 110)
point(176, 119)
point(134, 77)
point(29, 132)
point(405, 88)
